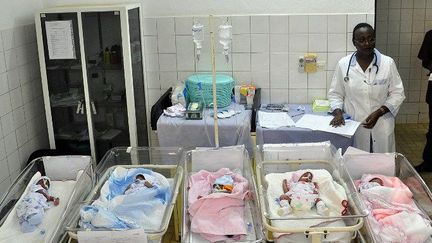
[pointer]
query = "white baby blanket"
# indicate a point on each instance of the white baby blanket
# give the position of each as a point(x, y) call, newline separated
point(330, 192)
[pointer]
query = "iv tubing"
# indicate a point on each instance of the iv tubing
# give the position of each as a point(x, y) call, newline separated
point(212, 47)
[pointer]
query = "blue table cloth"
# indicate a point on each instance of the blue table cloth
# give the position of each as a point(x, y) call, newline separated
point(179, 132)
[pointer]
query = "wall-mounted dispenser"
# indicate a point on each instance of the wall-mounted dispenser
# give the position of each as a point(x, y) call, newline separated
point(310, 61)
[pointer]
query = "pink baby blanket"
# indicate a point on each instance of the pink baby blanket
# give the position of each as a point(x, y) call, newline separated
point(394, 217)
point(217, 216)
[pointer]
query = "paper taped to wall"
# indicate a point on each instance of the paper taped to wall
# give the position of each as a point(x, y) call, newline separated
point(60, 39)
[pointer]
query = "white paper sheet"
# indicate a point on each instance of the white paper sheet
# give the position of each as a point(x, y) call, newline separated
point(322, 123)
point(136, 235)
point(60, 39)
point(275, 119)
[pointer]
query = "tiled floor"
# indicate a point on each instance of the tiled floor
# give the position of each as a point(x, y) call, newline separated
point(410, 141)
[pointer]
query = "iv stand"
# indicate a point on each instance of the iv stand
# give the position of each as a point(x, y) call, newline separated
point(212, 47)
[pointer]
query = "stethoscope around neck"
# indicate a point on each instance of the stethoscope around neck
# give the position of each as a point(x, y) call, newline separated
point(375, 64)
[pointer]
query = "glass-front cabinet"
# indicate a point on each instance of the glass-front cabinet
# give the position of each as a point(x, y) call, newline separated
point(92, 78)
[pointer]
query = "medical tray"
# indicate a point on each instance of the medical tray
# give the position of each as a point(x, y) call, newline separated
point(194, 113)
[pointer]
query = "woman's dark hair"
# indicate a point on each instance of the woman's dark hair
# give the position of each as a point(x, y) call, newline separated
point(362, 25)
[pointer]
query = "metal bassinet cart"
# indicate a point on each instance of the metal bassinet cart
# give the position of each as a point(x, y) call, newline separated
point(164, 161)
point(390, 164)
point(275, 159)
point(210, 159)
point(71, 177)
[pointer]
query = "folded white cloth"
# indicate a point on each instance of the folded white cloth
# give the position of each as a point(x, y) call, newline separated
point(227, 113)
point(275, 119)
point(177, 110)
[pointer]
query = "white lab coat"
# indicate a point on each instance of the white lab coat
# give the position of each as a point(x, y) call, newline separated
point(364, 93)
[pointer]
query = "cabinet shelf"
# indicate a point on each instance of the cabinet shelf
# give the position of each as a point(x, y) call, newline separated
point(106, 67)
point(91, 67)
point(64, 104)
point(106, 135)
point(63, 68)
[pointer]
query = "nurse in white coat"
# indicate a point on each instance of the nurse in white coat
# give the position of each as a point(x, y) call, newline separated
point(367, 86)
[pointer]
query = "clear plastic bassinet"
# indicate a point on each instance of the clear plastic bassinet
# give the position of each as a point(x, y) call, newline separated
point(73, 173)
point(235, 158)
point(390, 164)
point(282, 158)
point(161, 160)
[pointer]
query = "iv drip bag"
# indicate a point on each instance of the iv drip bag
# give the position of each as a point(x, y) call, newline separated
point(225, 36)
point(198, 37)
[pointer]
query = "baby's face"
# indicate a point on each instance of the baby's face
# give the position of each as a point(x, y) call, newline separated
point(140, 177)
point(217, 186)
point(44, 183)
point(377, 180)
point(306, 177)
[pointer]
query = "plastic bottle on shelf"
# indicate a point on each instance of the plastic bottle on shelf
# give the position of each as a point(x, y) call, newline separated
point(115, 54)
point(107, 56)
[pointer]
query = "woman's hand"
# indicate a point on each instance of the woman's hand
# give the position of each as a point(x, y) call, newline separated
point(338, 119)
point(372, 119)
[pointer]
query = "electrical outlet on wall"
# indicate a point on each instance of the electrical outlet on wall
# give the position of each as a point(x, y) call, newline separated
point(301, 64)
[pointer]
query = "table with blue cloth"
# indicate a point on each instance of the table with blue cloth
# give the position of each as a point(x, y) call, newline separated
point(179, 132)
point(299, 135)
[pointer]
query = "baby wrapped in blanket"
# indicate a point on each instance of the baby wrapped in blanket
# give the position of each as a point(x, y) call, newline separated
point(216, 205)
point(31, 209)
point(140, 183)
point(394, 216)
point(130, 199)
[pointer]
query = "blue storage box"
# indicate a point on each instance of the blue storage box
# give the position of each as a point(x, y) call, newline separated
point(199, 89)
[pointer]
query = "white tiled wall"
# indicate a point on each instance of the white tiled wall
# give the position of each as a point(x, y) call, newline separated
point(265, 51)
point(22, 115)
point(401, 25)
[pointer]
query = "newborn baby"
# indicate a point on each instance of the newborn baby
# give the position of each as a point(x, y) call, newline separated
point(139, 184)
point(372, 183)
point(223, 184)
point(300, 195)
point(31, 209)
